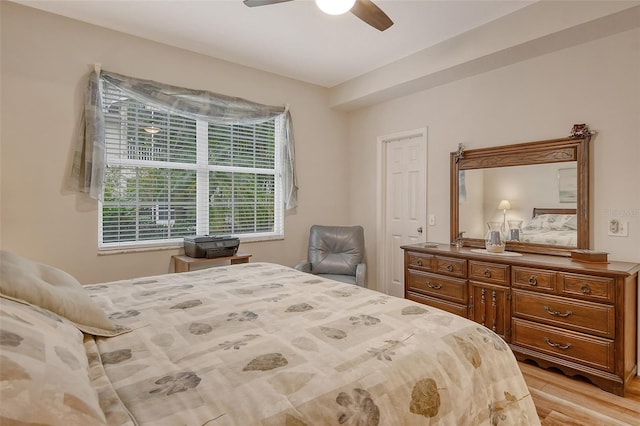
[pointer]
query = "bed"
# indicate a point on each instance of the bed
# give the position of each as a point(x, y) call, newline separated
point(247, 344)
point(551, 226)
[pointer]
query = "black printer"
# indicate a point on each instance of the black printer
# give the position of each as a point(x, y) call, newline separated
point(211, 246)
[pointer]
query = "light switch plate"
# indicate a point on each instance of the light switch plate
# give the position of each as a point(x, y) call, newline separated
point(618, 228)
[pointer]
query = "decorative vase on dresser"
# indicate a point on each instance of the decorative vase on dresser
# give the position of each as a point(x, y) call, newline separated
point(578, 317)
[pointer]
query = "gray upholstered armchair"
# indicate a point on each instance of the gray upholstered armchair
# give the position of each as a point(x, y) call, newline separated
point(337, 253)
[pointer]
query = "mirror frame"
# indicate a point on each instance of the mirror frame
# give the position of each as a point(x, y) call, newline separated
point(538, 152)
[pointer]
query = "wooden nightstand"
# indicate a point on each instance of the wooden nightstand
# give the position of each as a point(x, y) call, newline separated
point(182, 263)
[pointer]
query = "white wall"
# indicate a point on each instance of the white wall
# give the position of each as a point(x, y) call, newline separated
point(597, 83)
point(45, 60)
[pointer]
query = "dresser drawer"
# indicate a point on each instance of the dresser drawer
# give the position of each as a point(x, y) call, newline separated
point(494, 273)
point(420, 261)
point(588, 287)
point(438, 286)
point(572, 346)
point(533, 279)
point(454, 308)
point(451, 266)
point(587, 317)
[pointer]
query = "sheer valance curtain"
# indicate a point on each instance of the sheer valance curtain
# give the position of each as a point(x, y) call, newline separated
point(88, 170)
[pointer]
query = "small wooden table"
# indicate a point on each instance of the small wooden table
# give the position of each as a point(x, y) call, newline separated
point(182, 263)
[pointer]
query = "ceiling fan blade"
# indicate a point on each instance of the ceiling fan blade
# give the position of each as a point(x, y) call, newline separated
point(254, 3)
point(371, 14)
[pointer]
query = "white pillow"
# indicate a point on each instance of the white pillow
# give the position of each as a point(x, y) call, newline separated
point(53, 289)
point(44, 370)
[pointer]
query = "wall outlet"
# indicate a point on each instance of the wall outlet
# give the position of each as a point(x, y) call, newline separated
point(618, 228)
point(432, 220)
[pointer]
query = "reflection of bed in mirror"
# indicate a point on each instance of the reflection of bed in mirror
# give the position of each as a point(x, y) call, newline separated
point(551, 226)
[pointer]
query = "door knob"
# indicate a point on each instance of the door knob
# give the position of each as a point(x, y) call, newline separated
point(419, 229)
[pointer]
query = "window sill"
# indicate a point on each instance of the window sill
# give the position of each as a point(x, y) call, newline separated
point(137, 249)
point(259, 238)
point(178, 246)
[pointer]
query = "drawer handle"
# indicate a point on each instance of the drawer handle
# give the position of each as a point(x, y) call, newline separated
point(419, 262)
point(533, 281)
point(487, 273)
point(556, 313)
point(450, 267)
point(585, 289)
point(434, 286)
point(557, 345)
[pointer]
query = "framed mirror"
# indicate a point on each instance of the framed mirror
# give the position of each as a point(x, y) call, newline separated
point(539, 191)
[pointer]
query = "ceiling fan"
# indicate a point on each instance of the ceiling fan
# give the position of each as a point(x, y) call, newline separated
point(363, 9)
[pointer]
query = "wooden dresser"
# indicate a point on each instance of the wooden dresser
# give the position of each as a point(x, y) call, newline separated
point(578, 317)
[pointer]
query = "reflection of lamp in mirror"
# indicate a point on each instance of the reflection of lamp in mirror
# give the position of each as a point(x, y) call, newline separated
point(504, 206)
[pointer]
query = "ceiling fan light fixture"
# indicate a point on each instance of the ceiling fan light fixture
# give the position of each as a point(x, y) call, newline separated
point(335, 7)
point(151, 129)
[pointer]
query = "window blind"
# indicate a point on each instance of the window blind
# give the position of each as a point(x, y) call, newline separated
point(170, 176)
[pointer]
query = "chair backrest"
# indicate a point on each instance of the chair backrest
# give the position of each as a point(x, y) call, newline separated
point(335, 249)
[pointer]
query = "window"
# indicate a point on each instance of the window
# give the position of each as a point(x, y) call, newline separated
point(170, 176)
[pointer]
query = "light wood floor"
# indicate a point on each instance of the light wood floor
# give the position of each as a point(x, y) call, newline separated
point(562, 400)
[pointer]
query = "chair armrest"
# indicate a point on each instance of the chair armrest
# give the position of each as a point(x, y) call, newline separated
point(361, 275)
point(304, 267)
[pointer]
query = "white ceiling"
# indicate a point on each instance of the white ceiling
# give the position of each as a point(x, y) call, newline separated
point(293, 39)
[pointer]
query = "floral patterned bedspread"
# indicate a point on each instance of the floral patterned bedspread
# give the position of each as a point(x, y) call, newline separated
point(263, 344)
